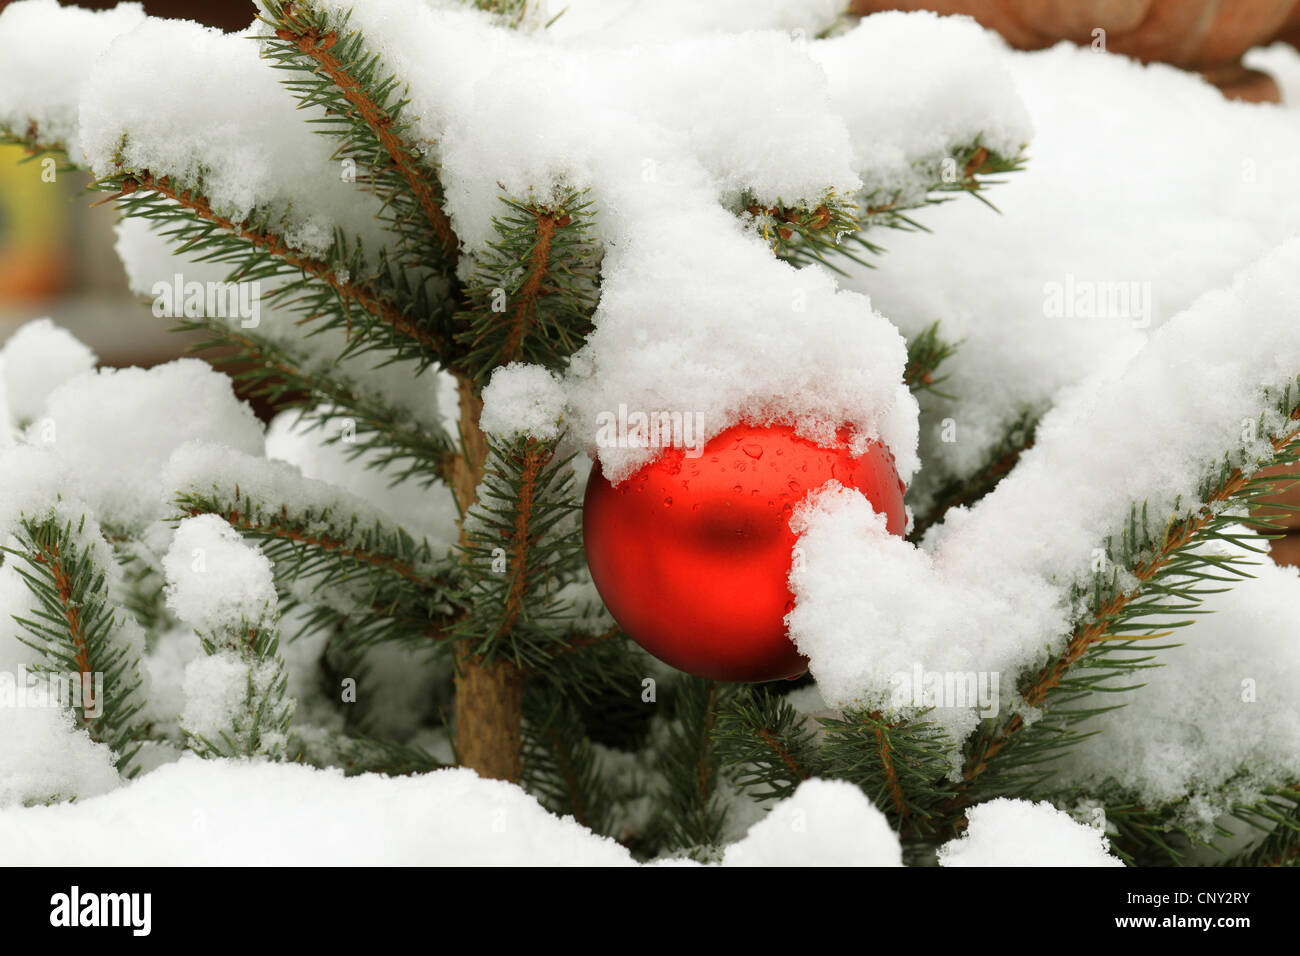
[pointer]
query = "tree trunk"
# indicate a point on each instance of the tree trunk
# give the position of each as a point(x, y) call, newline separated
point(489, 702)
point(489, 696)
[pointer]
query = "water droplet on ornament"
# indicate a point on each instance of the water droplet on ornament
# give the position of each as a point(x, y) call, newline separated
point(794, 486)
point(738, 490)
point(668, 502)
point(753, 451)
point(695, 507)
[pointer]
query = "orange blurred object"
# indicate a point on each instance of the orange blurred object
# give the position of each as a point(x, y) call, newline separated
point(33, 229)
point(1208, 36)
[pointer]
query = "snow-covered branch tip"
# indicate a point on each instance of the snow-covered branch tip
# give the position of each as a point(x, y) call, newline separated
point(271, 370)
point(200, 227)
point(79, 633)
point(519, 540)
point(342, 75)
point(535, 287)
point(1154, 574)
point(31, 141)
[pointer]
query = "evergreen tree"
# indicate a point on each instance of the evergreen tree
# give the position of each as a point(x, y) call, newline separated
point(532, 681)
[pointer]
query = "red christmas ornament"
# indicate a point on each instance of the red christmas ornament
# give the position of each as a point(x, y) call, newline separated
point(692, 556)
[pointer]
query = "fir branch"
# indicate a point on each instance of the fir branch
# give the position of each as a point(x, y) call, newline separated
point(535, 288)
point(258, 725)
point(397, 444)
point(817, 231)
point(1166, 835)
point(336, 288)
point(519, 543)
point(1171, 573)
point(925, 354)
point(392, 584)
point(588, 668)
point(804, 232)
point(77, 631)
point(1277, 816)
point(333, 69)
point(511, 13)
point(561, 767)
point(36, 147)
point(359, 754)
point(692, 814)
point(769, 741)
point(901, 765)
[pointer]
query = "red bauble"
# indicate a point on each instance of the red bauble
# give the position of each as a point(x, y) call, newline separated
point(692, 555)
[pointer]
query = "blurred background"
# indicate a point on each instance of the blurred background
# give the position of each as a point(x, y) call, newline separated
point(56, 250)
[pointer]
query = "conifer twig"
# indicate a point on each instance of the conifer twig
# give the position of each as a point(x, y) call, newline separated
point(359, 293)
point(319, 46)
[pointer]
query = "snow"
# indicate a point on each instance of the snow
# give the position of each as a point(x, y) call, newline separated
point(251, 147)
point(522, 400)
point(37, 358)
point(206, 467)
point(1005, 832)
point(216, 582)
point(115, 428)
point(222, 692)
point(165, 663)
point(323, 453)
point(1221, 718)
point(46, 758)
point(685, 124)
point(239, 812)
point(1135, 174)
point(870, 607)
point(1138, 175)
point(219, 813)
point(989, 592)
point(928, 114)
point(690, 114)
point(38, 33)
point(826, 823)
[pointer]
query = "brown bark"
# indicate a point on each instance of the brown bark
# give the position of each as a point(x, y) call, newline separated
point(489, 704)
point(489, 694)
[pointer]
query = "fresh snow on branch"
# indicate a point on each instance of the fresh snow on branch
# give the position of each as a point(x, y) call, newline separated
point(1144, 189)
point(1222, 712)
point(46, 54)
point(990, 591)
